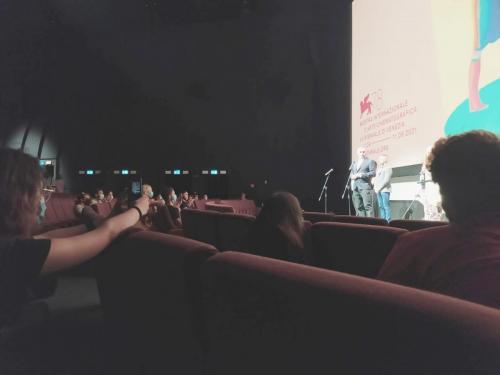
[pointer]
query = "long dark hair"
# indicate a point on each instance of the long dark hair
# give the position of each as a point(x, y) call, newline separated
point(282, 211)
point(20, 184)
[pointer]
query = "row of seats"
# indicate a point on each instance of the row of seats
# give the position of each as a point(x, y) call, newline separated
point(60, 211)
point(175, 305)
point(221, 229)
point(336, 246)
point(237, 206)
point(411, 225)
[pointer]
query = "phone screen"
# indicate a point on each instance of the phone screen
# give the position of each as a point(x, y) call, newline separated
point(136, 187)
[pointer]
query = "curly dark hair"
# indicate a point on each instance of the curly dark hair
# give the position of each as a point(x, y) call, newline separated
point(467, 169)
point(20, 184)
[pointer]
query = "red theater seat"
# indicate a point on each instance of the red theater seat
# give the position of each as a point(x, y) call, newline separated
point(412, 225)
point(200, 225)
point(232, 230)
point(219, 207)
point(59, 212)
point(149, 285)
point(104, 209)
point(266, 316)
point(241, 206)
point(359, 220)
point(200, 204)
point(316, 217)
point(352, 248)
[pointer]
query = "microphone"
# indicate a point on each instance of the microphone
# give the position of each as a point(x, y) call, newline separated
point(330, 171)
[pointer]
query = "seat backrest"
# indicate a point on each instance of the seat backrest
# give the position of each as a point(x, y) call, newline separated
point(412, 225)
point(51, 218)
point(316, 217)
point(359, 220)
point(233, 230)
point(200, 225)
point(60, 212)
point(266, 316)
point(219, 207)
point(104, 208)
point(68, 208)
point(241, 206)
point(149, 284)
point(200, 204)
point(352, 248)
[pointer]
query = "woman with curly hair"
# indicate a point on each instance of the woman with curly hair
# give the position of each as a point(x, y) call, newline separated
point(24, 257)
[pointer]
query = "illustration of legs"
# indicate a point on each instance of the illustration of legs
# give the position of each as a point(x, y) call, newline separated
point(475, 103)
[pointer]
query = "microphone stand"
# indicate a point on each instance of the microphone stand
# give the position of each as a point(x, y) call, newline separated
point(324, 191)
point(348, 191)
point(418, 194)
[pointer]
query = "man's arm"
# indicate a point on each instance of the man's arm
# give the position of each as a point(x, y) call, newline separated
point(372, 170)
point(352, 172)
point(387, 178)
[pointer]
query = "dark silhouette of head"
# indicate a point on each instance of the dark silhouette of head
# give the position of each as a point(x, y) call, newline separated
point(20, 191)
point(467, 169)
point(282, 211)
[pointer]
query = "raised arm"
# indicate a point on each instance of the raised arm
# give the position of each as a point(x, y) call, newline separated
point(70, 251)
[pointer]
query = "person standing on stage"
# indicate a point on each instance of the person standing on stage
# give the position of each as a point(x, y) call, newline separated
point(382, 187)
point(362, 171)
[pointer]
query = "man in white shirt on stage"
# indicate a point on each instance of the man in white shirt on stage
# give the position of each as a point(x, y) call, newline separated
point(362, 171)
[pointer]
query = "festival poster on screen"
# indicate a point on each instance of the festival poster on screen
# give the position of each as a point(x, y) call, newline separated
point(421, 70)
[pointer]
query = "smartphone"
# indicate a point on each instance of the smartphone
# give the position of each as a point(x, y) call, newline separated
point(136, 187)
point(135, 191)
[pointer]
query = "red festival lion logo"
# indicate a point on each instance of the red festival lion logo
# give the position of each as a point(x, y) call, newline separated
point(366, 106)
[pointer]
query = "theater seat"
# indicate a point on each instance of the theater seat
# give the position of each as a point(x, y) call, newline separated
point(316, 217)
point(241, 206)
point(266, 316)
point(232, 230)
point(104, 209)
point(59, 213)
point(412, 225)
point(219, 207)
point(149, 285)
point(352, 248)
point(359, 220)
point(200, 225)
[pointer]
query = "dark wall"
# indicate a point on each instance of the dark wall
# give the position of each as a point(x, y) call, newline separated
point(263, 92)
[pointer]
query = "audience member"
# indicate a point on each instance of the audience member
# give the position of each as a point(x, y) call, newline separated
point(185, 200)
point(82, 200)
point(159, 217)
point(463, 258)
point(109, 196)
point(99, 196)
point(278, 229)
point(23, 257)
point(171, 197)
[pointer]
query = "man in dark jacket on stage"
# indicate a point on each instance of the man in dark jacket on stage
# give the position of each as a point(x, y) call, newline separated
point(362, 171)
